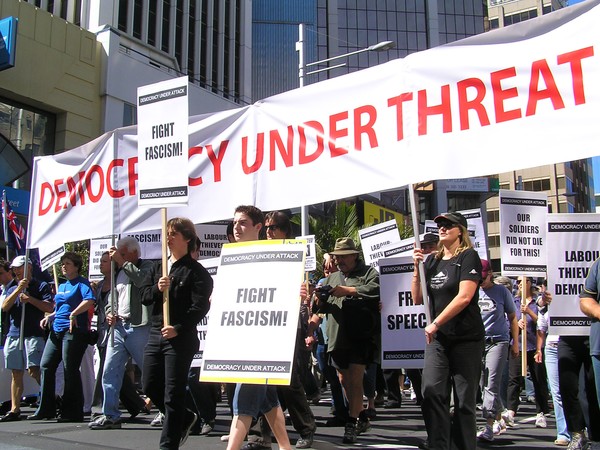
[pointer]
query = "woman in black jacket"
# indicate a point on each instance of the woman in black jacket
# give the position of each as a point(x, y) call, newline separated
point(171, 347)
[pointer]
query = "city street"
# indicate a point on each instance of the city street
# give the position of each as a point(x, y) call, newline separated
point(392, 429)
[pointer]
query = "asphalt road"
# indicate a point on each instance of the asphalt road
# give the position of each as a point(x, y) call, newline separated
point(401, 428)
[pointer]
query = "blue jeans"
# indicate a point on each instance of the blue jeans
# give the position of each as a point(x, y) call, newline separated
point(494, 359)
point(128, 341)
point(68, 348)
point(551, 360)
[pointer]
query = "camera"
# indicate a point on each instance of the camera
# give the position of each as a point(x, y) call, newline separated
point(323, 292)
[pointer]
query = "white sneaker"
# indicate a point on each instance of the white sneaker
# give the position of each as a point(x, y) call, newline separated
point(540, 421)
point(485, 434)
point(158, 420)
point(509, 419)
point(499, 427)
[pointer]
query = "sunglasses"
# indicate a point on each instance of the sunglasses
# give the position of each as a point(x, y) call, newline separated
point(446, 224)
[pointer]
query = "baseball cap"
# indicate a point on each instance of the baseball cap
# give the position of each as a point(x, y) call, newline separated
point(19, 261)
point(454, 217)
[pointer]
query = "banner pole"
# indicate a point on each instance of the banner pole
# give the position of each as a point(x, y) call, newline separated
point(415, 225)
point(112, 293)
point(524, 331)
point(25, 275)
point(165, 272)
point(5, 222)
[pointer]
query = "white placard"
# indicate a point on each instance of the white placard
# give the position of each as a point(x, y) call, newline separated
point(256, 302)
point(310, 262)
point(373, 239)
point(523, 233)
point(573, 245)
point(476, 231)
point(212, 265)
point(402, 248)
point(97, 247)
point(48, 257)
point(402, 322)
point(212, 237)
point(163, 143)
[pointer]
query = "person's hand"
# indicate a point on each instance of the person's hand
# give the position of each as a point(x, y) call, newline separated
point(24, 298)
point(44, 323)
point(514, 349)
point(116, 256)
point(168, 332)
point(111, 319)
point(343, 291)
point(303, 291)
point(430, 331)
point(521, 323)
point(328, 263)
point(309, 341)
point(164, 283)
point(538, 357)
point(72, 323)
point(417, 256)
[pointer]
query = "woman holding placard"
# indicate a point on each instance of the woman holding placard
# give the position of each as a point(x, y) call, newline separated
point(455, 337)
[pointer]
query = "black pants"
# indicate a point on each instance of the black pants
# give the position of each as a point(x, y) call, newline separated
point(456, 365)
point(293, 397)
point(573, 357)
point(202, 398)
point(392, 381)
point(538, 377)
point(165, 375)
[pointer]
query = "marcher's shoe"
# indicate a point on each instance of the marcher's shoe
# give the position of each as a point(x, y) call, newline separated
point(540, 421)
point(509, 419)
point(379, 400)
point(350, 433)
point(424, 445)
point(256, 445)
point(499, 427)
point(579, 441)
point(158, 420)
point(485, 434)
point(104, 423)
point(392, 404)
point(305, 441)
point(188, 422)
point(363, 426)
point(368, 413)
point(530, 399)
point(11, 416)
point(38, 416)
point(207, 427)
point(561, 442)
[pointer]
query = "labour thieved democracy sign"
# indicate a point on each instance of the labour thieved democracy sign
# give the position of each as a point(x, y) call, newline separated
point(528, 91)
point(573, 246)
point(523, 233)
point(254, 313)
point(374, 239)
point(163, 143)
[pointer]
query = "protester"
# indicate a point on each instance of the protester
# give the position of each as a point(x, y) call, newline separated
point(590, 306)
point(130, 326)
point(171, 347)
point(32, 298)
point(67, 342)
point(455, 337)
point(250, 400)
point(352, 305)
point(498, 313)
point(7, 279)
point(547, 353)
point(527, 315)
point(278, 226)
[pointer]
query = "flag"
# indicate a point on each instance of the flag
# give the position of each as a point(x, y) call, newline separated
point(15, 234)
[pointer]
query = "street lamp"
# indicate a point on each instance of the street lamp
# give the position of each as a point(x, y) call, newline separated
point(379, 47)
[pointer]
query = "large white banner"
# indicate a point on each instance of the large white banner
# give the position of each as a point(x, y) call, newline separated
point(523, 233)
point(573, 245)
point(527, 91)
point(255, 304)
point(163, 143)
point(402, 322)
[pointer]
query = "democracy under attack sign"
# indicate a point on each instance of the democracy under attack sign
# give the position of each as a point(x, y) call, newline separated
point(163, 143)
point(254, 313)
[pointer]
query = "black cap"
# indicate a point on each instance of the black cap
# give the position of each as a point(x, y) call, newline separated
point(430, 238)
point(454, 217)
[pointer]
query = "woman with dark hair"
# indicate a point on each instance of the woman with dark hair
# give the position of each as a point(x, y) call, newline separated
point(171, 347)
point(278, 225)
point(67, 342)
point(455, 337)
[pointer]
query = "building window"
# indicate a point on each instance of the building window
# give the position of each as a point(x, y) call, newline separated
point(494, 240)
point(542, 184)
point(493, 215)
point(122, 20)
point(129, 115)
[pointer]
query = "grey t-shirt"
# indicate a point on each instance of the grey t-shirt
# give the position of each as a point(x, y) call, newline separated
point(495, 303)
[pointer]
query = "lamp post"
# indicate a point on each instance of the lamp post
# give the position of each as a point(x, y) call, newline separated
point(379, 47)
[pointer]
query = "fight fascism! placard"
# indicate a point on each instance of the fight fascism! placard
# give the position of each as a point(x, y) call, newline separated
point(254, 313)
